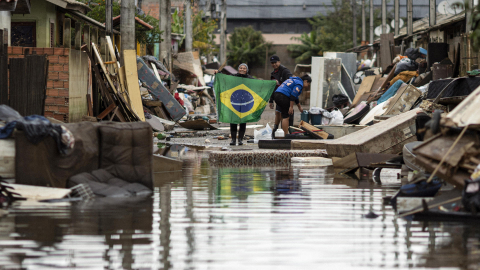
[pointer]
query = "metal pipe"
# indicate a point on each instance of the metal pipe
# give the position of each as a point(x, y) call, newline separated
point(371, 22)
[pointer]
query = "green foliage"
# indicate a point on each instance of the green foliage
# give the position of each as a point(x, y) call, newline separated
point(203, 38)
point(177, 25)
point(475, 22)
point(333, 31)
point(247, 46)
point(143, 37)
point(150, 36)
point(308, 47)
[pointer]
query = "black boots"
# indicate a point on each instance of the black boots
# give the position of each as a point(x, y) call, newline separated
point(241, 133)
point(234, 139)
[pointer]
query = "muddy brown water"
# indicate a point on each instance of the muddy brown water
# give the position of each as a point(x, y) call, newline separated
point(235, 218)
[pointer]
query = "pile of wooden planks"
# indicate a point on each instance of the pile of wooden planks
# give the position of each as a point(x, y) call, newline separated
point(118, 85)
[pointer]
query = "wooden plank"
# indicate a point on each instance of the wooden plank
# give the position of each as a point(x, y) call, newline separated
point(155, 71)
point(86, 36)
point(121, 75)
point(365, 87)
point(131, 76)
point(116, 64)
point(160, 112)
point(89, 105)
point(314, 131)
point(35, 85)
point(3, 69)
point(67, 33)
point(104, 68)
point(39, 193)
point(108, 110)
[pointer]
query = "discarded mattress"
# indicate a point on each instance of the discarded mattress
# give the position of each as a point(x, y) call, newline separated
point(390, 92)
point(387, 137)
point(146, 75)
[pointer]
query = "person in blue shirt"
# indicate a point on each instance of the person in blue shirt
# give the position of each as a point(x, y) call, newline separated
point(285, 97)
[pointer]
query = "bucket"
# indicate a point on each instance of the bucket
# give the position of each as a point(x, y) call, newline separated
point(316, 119)
point(304, 116)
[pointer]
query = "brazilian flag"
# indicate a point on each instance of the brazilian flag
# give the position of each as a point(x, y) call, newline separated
point(241, 100)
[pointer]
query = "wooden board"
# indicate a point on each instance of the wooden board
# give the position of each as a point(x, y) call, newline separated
point(387, 137)
point(131, 77)
point(104, 68)
point(39, 193)
point(365, 87)
point(314, 131)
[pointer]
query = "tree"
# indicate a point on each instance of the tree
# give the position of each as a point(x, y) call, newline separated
point(309, 47)
point(142, 36)
point(203, 38)
point(331, 32)
point(247, 46)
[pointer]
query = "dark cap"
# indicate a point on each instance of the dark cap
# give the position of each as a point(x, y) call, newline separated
point(274, 59)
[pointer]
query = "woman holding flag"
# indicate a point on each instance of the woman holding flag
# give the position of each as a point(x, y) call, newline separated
point(242, 72)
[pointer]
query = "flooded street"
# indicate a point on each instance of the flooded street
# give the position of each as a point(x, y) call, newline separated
point(235, 218)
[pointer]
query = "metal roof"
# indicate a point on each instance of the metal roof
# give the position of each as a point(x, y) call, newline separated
point(291, 9)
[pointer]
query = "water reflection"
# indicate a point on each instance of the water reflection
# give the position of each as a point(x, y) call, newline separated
point(235, 218)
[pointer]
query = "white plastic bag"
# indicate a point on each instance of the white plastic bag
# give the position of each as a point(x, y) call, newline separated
point(315, 110)
point(262, 134)
point(333, 118)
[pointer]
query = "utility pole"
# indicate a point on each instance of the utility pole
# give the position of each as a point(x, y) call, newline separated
point(364, 30)
point(384, 16)
point(188, 27)
point(108, 17)
point(166, 27)
point(208, 14)
point(409, 17)
point(354, 14)
point(223, 35)
point(432, 13)
point(397, 17)
point(468, 17)
point(371, 22)
point(127, 25)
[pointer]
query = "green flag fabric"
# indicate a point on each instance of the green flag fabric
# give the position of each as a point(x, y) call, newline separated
point(241, 100)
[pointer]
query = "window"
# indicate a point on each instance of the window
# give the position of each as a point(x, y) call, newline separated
point(24, 34)
point(173, 9)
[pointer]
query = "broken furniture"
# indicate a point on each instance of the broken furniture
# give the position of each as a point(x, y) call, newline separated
point(123, 150)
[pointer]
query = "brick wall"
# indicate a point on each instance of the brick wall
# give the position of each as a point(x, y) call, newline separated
point(57, 95)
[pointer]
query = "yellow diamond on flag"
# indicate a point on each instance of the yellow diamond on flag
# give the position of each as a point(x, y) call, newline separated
point(242, 100)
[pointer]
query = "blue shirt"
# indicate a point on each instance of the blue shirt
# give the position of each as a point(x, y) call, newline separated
point(291, 88)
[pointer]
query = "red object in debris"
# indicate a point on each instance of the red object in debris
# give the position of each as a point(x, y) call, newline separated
point(177, 97)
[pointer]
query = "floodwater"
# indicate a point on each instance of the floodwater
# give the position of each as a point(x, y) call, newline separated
point(235, 218)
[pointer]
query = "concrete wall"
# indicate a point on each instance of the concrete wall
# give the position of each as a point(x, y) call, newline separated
point(42, 12)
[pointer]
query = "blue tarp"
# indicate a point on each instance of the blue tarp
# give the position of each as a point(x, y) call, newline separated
point(390, 92)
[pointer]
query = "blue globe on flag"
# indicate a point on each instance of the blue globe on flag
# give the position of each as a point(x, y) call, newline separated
point(242, 100)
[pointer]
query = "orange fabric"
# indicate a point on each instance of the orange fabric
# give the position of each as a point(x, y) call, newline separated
point(405, 76)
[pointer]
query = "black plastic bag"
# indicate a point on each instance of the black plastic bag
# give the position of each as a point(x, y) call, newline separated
point(339, 100)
